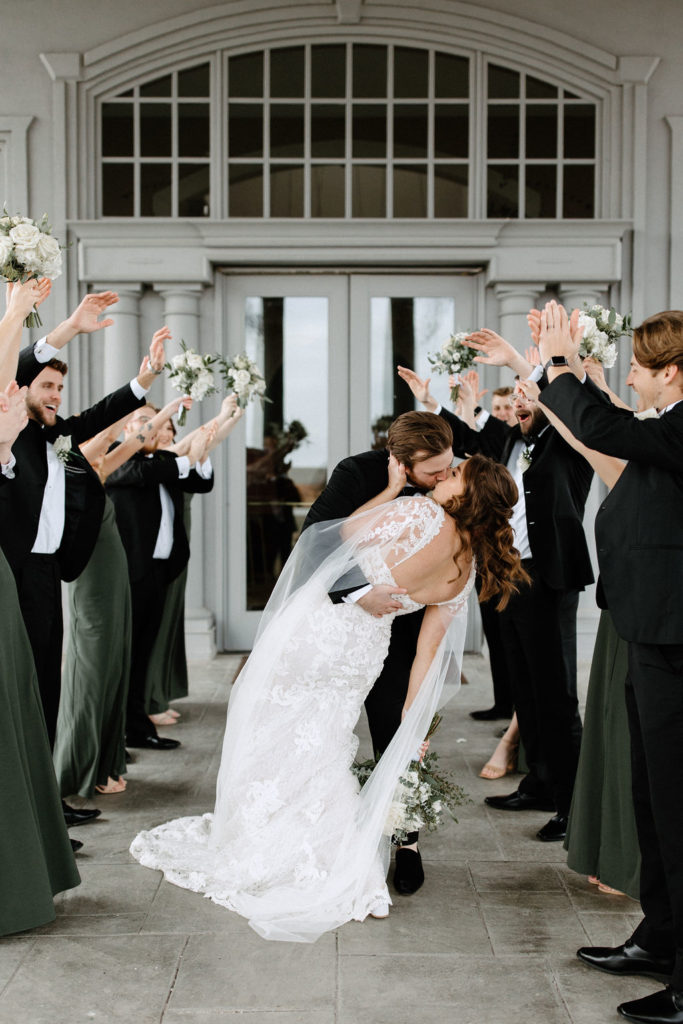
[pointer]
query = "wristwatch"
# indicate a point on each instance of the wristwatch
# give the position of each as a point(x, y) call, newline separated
point(556, 361)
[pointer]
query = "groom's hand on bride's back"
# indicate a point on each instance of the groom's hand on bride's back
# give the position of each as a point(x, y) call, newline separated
point(381, 600)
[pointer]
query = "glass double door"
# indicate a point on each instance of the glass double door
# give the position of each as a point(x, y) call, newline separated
point(328, 345)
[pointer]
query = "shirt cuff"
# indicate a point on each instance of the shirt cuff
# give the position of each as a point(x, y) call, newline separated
point(482, 418)
point(438, 409)
point(183, 464)
point(205, 470)
point(536, 373)
point(137, 388)
point(8, 467)
point(43, 352)
point(357, 594)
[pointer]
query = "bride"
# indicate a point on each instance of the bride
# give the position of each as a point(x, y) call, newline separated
point(292, 844)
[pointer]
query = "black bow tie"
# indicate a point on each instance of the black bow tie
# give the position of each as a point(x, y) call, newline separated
point(409, 490)
point(529, 439)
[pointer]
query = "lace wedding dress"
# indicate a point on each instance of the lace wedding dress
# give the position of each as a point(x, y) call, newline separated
point(293, 845)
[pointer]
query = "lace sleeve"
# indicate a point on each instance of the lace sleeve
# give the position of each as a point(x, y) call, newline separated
point(407, 526)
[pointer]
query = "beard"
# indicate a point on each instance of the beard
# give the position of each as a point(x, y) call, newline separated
point(536, 422)
point(38, 413)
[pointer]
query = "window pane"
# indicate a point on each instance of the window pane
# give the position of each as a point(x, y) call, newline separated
point(541, 130)
point(245, 137)
point(411, 72)
point(245, 195)
point(155, 190)
point(579, 130)
point(328, 130)
point(503, 83)
point(450, 190)
point(541, 190)
point(327, 191)
point(193, 190)
point(328, 71)
point(287, 71)
point(502, 192)
point(117, 190)
point(538, 90)
point(159, 87)
point(579, 191)
point(286, 191)
point(246, 75)
point(286, 129)
point(194, 81)
point(410, 191)
point(451, 130)
point(369, 71)
point(503, 131)
point(155, 129)
point(369, 130)
point(369, 191)
point(452, 76)
point(117, 129)
point(410, 130)
point(193, 129)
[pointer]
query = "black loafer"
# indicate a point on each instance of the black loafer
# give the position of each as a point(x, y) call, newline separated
point(554, 830)
point(518, 802)
point(627, 959)
point(408, 874)
point(152, 742)
point(665, 1007)
point(78, 816)
point(75, 845)
point(490, 714)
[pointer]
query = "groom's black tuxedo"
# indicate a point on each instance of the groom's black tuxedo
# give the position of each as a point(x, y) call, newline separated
point(639, 534)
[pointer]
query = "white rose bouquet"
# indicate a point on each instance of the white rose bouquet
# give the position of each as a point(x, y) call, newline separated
point(601, 329)
point(421, 796)
point(190, 373)
point(453, 357)
point(28, 249)
point(242, 375)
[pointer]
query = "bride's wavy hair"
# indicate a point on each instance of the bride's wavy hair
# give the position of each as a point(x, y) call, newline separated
point(483, 514)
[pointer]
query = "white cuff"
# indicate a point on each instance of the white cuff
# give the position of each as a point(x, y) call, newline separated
point(536, 373)
point(44, 352)
point(7, 468)
point(183, 464)
point(137, 388)
point(438, 409)
point(205, 469)
point(357, 594)
point(481, 419)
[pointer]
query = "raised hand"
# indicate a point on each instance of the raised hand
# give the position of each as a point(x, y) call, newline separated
point(157, 352)
point(23, 297)
point(496, 351)
point(418, 386)
point(533, 318)
point(559, 336)
point(596, 372)
point(198, 445)
point(529, 389)
point(85, 319)
point(13, 414)
point(532, 355)
point(230, 409)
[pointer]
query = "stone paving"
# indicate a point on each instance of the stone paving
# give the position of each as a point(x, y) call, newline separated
point(490, 939)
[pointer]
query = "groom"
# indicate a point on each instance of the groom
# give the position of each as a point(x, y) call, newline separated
point(423, 443)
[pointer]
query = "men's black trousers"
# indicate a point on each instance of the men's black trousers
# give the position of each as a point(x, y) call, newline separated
point(40, 598)
point(147, 600)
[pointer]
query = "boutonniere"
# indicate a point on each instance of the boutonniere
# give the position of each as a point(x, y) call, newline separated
point(524, 460)
point(62, 448)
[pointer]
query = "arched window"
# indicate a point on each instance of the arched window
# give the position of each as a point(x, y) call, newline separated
point(348, 131)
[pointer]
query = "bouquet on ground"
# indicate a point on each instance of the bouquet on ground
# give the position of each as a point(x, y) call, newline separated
point(242, 375)
point(28, 249)
point(602, 328)
point(454, 357)
point(422, 794)
point(191, 374)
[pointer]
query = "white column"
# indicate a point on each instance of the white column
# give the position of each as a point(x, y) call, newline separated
point(577, 294)
point(514, 302)
point(121, 354)
point(181, 316)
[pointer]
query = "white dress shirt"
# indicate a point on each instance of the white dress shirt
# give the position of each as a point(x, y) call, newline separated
point(164, 544)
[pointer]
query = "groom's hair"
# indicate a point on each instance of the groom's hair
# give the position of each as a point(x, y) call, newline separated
point(422, 433)
point(658, 342)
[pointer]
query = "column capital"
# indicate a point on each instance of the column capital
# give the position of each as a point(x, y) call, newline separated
point(575, 293)
point(517, 298)
point(637, 70)
point(62, 67)
point(180, 288)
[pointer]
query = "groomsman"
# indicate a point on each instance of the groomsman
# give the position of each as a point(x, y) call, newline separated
point(538, 627)
point(639, 534)
point(422, 443)
point(147, 492)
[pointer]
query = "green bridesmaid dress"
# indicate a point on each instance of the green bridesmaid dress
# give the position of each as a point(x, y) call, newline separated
point(89, 746)
point(601, 838)
point(36, 859)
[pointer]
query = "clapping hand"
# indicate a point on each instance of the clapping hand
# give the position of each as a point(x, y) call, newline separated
point(559, 334)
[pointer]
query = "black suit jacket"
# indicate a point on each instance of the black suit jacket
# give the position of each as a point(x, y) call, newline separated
point(556, 486)
point(639, 527)
point(21, 501)
point(134, 490)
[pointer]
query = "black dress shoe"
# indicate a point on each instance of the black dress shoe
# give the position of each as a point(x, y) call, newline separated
point(627, 959)
point(78, 816)
point(554, 830)
point(408, 874)
point(75, 845)
point(152, 742)
point(518, 802)
point(490, 715)
point(665, 1007)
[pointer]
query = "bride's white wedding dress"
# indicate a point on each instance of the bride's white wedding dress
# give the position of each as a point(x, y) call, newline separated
point(292, 843)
